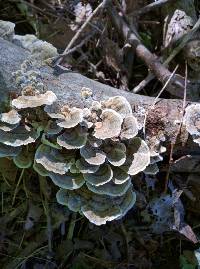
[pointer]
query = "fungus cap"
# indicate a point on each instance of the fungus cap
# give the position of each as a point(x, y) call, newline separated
point(93, 155)
point(50, 141)
point(85, 167)
point(7, 127)
point(95, 106)
point(94, 142)
point(128, 202)
point(72, 117)
point(86, 92)
point(103, 175)
point(74, 169)
point(95, 207)
point(119, 104)
point(40, 169)
point(8, 151)
point(110, 126)
point(12, 117)
point(64, 198)
point(86, 112)
point(21, 135)
point(116, 155)
point(151, 169)
point(24, 159)
point(67, 181)
point(75, 138)
point(130, 127)
point(100, 217)
point(51, 159)
point(54, 111)
point(141, 156)
point(119, 176)
point(52, 128)
point(105, 208)
point(98, 209)
point(110, 188)
point(30, 101)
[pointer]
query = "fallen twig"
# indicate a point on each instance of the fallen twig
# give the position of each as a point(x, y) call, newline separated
point(143, 83)
point(84, 41)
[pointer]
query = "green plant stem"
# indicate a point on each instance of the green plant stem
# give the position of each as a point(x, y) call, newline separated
point(46, 211)
point(71, 226)
point(18, 183)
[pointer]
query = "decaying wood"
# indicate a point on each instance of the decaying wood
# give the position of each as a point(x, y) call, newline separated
point(166, 114)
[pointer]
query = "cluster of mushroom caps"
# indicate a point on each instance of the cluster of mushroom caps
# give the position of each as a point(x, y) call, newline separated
point(89, 153)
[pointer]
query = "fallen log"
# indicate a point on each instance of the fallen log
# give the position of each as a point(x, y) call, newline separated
point(166, 114)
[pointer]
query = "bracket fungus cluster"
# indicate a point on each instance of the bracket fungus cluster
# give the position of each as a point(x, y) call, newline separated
point(89, 153)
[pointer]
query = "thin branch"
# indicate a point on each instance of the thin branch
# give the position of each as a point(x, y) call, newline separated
point(185, 89)
point(85, 40)
point(166, 84)
point(143, 83)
